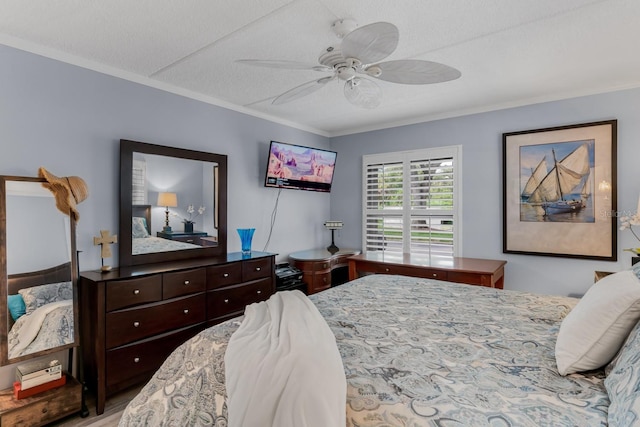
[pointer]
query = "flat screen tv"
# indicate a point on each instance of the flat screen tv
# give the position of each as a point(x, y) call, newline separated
point(300, 168)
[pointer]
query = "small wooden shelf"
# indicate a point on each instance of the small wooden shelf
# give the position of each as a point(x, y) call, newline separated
point(42, 408)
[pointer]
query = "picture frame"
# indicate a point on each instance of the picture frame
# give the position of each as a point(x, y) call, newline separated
point(559, 191)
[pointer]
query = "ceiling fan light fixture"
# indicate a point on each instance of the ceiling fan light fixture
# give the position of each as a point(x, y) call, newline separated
point(363, 93)
point(373, 71)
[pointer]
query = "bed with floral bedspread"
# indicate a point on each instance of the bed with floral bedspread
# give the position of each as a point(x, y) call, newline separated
point(416, 352)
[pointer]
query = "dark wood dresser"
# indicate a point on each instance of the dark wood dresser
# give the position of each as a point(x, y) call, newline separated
point(132, 318)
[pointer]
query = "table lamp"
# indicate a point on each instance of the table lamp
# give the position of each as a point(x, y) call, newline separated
point(168, 200)
point(333, 226)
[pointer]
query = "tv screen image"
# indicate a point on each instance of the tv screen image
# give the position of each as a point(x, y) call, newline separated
point(301, 168)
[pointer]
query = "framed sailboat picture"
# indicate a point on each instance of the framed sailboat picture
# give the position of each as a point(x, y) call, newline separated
point(560, 191)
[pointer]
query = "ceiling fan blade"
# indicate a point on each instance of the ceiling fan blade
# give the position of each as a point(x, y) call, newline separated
point(288, 65)
point(371, 43)
point(302, 90)
point(362, 92)
point(415, 72)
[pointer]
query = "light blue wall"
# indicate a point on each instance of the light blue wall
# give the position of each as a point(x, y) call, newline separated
point(70, 120)
point(481, 138)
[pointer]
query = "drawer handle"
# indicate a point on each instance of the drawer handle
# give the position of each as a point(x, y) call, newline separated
point(185, 311)
point(136, 359)
point(435, 274)
point(136, 324)
point(324, 279)
point(44, 410)
point(226, 301)
point(186, 282)
point(258, 268)
point(225, 275)
point(386, 270)
point(258, 292)
point(136, 291)
point(324, 265)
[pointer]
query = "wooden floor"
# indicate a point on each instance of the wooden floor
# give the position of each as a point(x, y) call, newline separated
point(114, 406)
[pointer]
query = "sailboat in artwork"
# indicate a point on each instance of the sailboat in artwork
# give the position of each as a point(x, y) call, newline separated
point(552, 194)
point(537, 175)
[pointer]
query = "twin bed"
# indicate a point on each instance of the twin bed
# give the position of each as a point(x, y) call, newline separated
point(419, 352)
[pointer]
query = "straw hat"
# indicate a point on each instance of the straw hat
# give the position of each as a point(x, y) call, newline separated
point(69, 191)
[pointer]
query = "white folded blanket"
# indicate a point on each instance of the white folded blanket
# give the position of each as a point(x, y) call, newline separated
point(283, 368)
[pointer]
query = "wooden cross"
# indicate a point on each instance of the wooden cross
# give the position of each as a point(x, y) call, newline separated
point(105, 241)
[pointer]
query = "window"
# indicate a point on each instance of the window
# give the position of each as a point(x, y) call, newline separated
point(411, 201)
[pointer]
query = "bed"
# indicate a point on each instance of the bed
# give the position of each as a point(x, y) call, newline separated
point(41, 310)
point(419, 352)
point(143, 242)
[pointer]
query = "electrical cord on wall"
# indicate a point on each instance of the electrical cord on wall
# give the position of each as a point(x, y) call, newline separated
point(274, 213)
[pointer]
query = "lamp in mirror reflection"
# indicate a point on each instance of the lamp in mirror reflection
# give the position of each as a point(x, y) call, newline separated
point(333, 226)
point(168, 200)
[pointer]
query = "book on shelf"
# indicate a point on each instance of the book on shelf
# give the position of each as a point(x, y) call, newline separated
point(19, 393)
point(39, 372)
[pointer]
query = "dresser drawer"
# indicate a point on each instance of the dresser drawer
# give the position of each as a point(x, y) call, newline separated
point(256, 269)
point(130, 292)
point(427, 273)
point(195, 240)
point(130, 361)
point(132, 324)
point(321, 281)
point(233, 299)
point(183, 283)
point(322, 266)
point(224, 275)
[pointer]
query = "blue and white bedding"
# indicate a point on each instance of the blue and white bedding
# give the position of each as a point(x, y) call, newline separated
point(150, 244)
point(50, 325)
point(416, 352)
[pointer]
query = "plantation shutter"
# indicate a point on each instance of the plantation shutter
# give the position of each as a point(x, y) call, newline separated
point(410, 202)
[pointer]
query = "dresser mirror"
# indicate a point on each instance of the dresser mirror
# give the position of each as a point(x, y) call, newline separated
point(173, 204)
point(39, 272)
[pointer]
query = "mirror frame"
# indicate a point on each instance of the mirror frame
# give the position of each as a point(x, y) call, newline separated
point(4, 285)
point(127, 149)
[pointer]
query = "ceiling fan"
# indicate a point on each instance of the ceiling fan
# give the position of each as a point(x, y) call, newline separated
point(358, 57)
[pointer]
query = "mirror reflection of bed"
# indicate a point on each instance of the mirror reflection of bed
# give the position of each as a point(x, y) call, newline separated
point(143, 241)
point(44, 319)
point(192, 178)
point(40, 309)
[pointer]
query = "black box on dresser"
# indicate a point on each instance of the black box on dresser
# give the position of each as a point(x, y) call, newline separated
point(132, 318)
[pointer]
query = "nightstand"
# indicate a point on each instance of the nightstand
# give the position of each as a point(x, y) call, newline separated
point(183, 236)
point(601, 274)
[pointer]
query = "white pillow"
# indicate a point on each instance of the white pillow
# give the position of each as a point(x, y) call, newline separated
point(593, 332)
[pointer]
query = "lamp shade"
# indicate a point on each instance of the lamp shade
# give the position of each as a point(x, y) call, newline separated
point(169, 200)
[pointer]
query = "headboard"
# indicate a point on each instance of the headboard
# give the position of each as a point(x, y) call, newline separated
point(57, 274)
point(143, 211)
point(60, 273)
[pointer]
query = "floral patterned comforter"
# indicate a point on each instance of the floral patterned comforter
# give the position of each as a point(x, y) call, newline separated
point(43, 329)
point(152, 244)
point(416, 352)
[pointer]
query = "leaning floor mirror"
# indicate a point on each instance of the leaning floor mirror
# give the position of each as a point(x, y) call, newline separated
point(38, 267)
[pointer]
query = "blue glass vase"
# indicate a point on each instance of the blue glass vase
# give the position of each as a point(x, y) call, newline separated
point(246, 234)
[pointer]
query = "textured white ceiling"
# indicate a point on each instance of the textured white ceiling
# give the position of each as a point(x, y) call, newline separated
point(510, 52)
